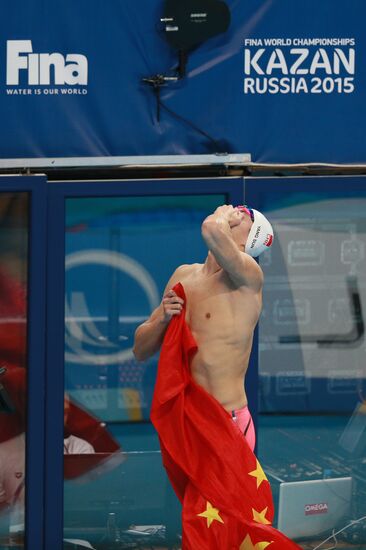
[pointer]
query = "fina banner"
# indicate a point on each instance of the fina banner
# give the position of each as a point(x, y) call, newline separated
point(285, 81)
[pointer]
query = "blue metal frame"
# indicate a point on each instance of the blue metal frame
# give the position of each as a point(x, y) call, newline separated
point(54, 423)
point(36, 325)
point(58, 192)
point(255, 189)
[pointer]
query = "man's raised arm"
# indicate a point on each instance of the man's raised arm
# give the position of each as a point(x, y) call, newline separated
point(217, 232)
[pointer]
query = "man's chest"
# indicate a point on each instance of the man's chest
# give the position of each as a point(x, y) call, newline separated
point(209, 300)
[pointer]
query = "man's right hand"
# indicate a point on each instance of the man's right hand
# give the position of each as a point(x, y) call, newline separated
point(232, 215)
point(150, 334)
point(172, 305)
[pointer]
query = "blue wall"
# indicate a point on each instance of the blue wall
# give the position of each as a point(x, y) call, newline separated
point(312, 109)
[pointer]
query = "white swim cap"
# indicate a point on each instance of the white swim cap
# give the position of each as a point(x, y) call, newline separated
point(260, 236)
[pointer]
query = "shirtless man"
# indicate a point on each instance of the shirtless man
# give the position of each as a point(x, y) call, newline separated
point(224, 301)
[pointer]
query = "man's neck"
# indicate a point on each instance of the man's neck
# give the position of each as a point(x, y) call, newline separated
point(211, 266)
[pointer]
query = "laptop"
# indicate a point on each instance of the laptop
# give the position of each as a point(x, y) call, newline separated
point(307, 509)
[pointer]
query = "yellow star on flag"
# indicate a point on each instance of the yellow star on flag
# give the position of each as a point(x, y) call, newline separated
point(259, 474)
point(248, 545)
point(260, 517)
point(211, 514)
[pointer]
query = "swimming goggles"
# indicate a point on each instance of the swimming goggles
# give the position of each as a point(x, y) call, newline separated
point(247, 210)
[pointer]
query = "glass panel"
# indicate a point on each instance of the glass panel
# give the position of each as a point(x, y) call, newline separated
point(13, 363)
point(120, 253)
point(311, 363)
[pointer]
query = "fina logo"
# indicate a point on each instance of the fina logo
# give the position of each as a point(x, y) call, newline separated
point(70, 70)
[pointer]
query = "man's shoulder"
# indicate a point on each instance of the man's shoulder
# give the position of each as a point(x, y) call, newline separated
point(187, 268)
point(182, 273)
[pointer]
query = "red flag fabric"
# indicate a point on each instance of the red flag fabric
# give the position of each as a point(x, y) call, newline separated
point(13, 320)
point(13, 353)
point(226, 496)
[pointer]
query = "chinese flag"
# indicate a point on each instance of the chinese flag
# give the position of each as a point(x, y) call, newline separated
point(226, 497)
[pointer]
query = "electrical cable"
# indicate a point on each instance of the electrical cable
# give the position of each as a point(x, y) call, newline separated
point(335, 540)
point(337, 532)
point(189, 123)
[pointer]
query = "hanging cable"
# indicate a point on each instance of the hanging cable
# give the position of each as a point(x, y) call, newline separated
point(192, 125)
point(340, 531)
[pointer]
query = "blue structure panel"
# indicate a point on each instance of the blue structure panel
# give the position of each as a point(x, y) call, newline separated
point(26, 268)
point(280, 83)
point(311, 333)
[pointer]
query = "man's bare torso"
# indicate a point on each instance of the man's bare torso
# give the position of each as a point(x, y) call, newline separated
point(222, 318)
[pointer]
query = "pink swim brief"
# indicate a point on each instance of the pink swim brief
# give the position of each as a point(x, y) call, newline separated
point(244, 421)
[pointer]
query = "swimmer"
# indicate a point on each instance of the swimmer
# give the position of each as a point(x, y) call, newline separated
point(224, 301)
